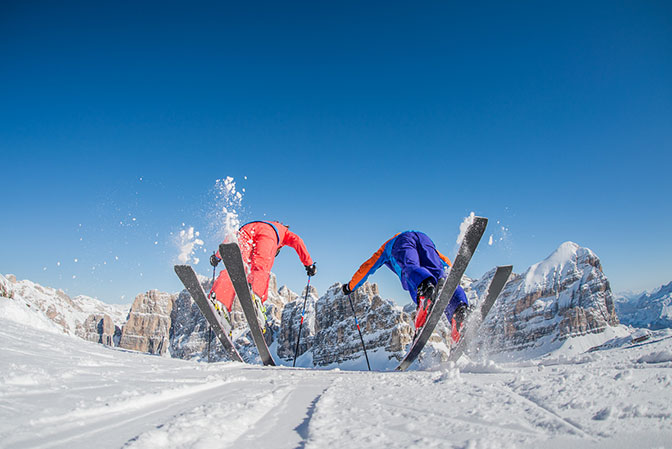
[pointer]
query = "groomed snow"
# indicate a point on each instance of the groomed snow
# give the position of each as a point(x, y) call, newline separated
point(60, 391)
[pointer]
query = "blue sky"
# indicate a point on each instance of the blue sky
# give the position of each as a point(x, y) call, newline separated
point(350, 121)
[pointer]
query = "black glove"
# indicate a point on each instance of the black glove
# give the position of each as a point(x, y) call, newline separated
point(311, 269)
point(214, 260)
point(346, 288)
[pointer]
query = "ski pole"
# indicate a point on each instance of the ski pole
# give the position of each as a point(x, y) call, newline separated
point(359, 330)
point(209, 326)
point(303, 313)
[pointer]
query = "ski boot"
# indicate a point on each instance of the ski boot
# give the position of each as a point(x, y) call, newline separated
point(261, 312)
point(221, 311)
point(426, 292)
point(457, 322)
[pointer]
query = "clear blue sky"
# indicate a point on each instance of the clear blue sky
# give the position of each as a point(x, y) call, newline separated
point(351, 121)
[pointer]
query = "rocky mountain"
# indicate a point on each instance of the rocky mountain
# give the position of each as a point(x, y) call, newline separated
point(149, 322)
point(82, 316)
point(565, 295)
point(330, 338)
point(648, 310)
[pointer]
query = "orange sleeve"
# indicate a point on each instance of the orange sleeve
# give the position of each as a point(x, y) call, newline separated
point(368, 268)
point(444, 258)
point(295, 242)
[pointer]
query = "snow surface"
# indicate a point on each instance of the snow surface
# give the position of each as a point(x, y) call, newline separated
point(60, 391)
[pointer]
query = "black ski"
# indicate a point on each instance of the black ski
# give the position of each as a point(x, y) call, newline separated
point(221, 327)
point(467, 248)
point(474, 321)
point(233, 260)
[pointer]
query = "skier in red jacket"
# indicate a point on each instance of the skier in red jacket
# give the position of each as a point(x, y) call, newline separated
point(260, 242)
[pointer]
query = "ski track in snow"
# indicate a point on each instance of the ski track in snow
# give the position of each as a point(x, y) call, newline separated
point(58, 391)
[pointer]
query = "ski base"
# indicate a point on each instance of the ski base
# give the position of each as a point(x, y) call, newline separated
point(233, 261)
point(222, 329)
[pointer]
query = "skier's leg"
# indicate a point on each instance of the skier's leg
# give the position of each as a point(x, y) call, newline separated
point(459, 298)
point(429, 257)
point(456, 312)
point(261, 261)
point(412, 273)
point(223, 290)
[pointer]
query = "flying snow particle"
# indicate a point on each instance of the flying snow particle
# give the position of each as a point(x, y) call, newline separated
point(490, 240)
point(187, 242)
point(76, 260)
point(464, 226)
point(224, 218)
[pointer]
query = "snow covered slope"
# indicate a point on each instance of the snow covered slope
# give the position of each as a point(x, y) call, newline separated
point(62, 392)
point(83, 316)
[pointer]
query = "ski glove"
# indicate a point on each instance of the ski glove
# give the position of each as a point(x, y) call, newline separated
point(214, 260)
point(311, 269)
point(346, 288)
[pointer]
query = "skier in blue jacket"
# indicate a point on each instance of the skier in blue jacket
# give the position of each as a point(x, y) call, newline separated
point(419, 265)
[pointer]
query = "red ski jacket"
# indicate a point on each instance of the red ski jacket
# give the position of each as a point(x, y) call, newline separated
point(284, 237)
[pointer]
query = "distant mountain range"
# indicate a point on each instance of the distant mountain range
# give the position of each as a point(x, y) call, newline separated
point(646, 310)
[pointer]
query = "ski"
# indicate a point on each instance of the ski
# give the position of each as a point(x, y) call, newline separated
point(222, 328)
point(233, 260)
point(473, 322)
point(467, 248)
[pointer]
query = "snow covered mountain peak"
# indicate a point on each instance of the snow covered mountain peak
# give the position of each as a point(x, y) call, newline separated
point(561, 262)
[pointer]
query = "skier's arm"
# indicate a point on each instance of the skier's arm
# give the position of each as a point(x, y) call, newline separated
point(444, 258)
point(368, 268)
point(295, 242)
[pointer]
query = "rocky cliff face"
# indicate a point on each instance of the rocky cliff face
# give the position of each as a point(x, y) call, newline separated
point(329, 331)
point(329, 336)
point(101, 329)
point(565, 295)
point(149, 322)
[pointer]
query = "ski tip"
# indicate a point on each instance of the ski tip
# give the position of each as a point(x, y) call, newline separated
point(179, 268)
point(480, 221)
point(508, 268)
